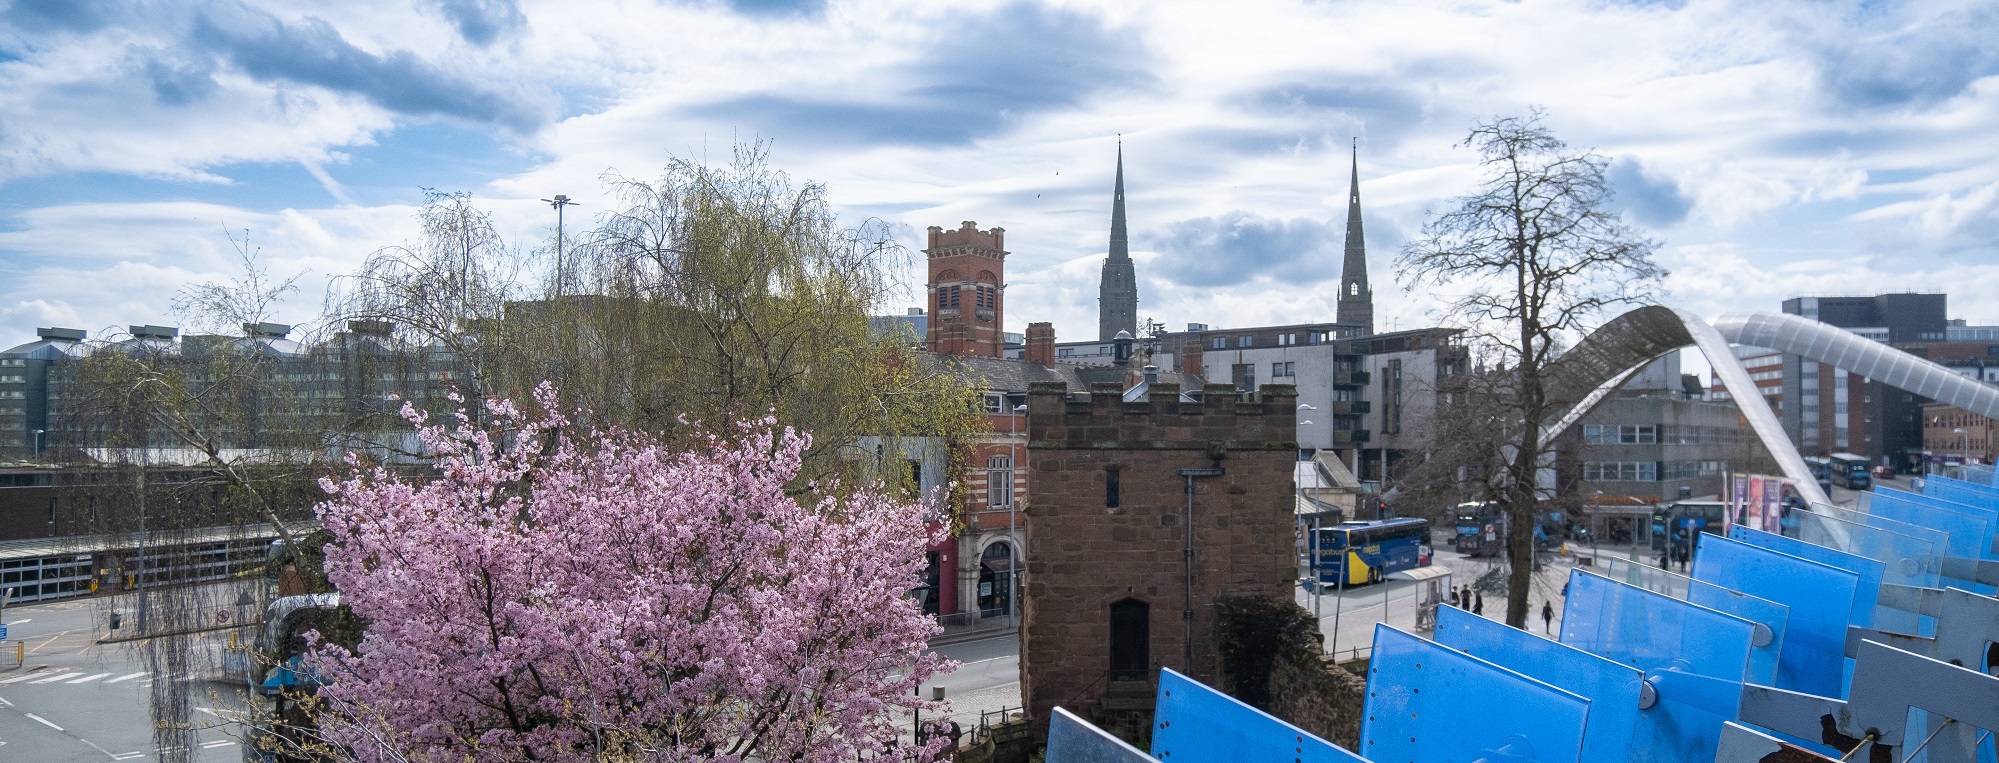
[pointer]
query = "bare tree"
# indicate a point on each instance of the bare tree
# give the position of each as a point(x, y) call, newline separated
point(1538, 256)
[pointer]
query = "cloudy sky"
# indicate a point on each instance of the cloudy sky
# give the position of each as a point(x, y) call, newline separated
point(1774, 148)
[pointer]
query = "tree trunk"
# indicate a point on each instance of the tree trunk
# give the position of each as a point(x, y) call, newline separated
point(1520, 505)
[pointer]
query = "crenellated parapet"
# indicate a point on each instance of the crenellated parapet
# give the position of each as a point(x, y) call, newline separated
point(1103, 419)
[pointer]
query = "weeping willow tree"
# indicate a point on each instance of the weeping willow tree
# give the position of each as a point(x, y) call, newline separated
point(185, 459)
point(187, 455)
point(706, 296)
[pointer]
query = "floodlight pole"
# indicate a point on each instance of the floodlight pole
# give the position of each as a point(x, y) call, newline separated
point(558, 202)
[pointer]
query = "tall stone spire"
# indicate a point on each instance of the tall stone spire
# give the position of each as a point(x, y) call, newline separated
point(1356, 302)
point(1117, 293)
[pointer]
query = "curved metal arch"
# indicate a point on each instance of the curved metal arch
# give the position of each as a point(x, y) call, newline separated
point(1817, 341)
point(1597, 366)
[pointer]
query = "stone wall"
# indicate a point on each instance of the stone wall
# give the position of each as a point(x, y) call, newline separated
point(1086, 555)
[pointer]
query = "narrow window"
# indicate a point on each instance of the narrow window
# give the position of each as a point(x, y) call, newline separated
point(1111, 498)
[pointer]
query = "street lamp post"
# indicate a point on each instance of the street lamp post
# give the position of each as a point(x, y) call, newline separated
point(38, 441)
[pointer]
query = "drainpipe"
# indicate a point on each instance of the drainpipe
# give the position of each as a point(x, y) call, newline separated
point(1187, 554)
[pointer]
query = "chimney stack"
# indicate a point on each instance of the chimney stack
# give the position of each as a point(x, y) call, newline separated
point(1190, 359)
point(1041, 344)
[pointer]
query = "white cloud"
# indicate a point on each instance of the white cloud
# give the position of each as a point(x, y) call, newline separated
point(1818, 149)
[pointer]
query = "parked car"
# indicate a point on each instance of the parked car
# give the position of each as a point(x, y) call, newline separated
point(1884, 472)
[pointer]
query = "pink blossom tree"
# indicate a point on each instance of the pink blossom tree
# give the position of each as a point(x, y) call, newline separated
point(562, 593)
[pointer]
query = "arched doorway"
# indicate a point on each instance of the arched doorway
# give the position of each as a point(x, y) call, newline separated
point(996, 570)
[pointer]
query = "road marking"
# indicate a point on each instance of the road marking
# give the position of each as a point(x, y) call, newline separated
point(128, 756)
point(93, 745)
point(211, 711)
point(3, 701)
point(43, 721)
point(87, 679)
point(22, 620)
point(24, 678)
point(140, 674)
point(217, 743)
point(38, 647)
point(57, 677)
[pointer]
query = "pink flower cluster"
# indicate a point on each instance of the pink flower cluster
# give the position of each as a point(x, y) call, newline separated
point(558, 593)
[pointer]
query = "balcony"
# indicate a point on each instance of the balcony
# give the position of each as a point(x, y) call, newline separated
point(1348, 438)
point(1351, 378)
point(1349, 407)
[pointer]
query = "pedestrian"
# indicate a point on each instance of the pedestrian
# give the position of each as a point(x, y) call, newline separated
point(1478, 603)
point(1548, 616)
point(1454, 596)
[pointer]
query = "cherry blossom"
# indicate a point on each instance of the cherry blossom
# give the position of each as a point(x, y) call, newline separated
point(555, 592)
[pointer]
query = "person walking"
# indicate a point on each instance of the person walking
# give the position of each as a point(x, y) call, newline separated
point(1548, 617)
point(1454, 596)
point(1478, 603)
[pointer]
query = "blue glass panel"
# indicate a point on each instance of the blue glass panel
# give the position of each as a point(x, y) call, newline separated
point(1967, 533)
point(1428, 702)
point(1074, 740)
point(1870, 572)
point(1820, 597)
point(1970, 528)
point(1939, 540)
point(1612, 689)
point(1982, 496)
point(1906, 561)
point(1692, 655)
point(1192, 722)
point(1763, 652)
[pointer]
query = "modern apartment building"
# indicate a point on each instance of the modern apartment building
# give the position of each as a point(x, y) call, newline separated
point(1837, 411)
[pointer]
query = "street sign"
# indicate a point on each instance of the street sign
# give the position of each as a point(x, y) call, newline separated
point(3, 633)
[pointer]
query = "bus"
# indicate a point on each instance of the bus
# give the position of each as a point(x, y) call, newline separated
point(1363, 552)
point(1850, 471)
point(1681, 523)
point(1821, 467)
point(1481, 529)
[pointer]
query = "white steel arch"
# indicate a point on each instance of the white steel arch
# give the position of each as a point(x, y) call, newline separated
point(1594, 368)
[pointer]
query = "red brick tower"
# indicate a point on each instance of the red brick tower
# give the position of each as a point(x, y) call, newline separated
point(967, 281)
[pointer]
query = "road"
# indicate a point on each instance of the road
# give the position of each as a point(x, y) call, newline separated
point(78, 700)
point(988, 679)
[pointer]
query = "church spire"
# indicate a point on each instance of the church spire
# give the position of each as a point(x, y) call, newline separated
point(1120, 243)
point(1356, 300)
point(1117, 292)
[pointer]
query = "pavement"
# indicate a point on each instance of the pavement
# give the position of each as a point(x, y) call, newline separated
point(1347, 618)
point(75, 698)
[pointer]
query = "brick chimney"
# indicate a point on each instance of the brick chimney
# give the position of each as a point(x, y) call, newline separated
point(1190, 359)
point(1041, 344)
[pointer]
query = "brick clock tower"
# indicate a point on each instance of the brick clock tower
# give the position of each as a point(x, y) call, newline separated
point(967, 285)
